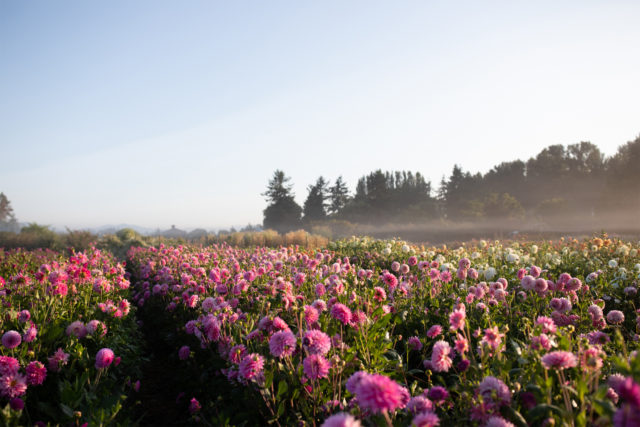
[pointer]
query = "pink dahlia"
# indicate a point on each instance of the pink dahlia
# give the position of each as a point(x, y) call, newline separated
point(414, 343)
point(497, 421)
point(251, 366)
point(614, 316)
point(36, 373)
point(354, 381)
point(282, 344)
point(104, 358)
point(13, 385)
point(341, 313)
point(316, 342)
point(547, 323)
point(426, 419)
point(419, 404)
point(559, 360)
point(456, 319)
point(378, 393)
point(316, 366)
point(184, 352)
point(59, 359)
point(77, 329)
point(494, 390)
point(341, 419)
point(440, 360)
point(11, 339)
point(434, 331)
point(8, 365)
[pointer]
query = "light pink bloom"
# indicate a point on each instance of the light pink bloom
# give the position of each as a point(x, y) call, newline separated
point(426, 419)
point(559, 360)
point(341, 419)
point(440, 360)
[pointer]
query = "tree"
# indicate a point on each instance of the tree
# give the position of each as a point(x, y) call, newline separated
point(338, 196)
point(315, 205)
point(8, 220)
point(283, 213)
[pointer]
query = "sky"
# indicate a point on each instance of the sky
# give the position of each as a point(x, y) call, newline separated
point(156, 113)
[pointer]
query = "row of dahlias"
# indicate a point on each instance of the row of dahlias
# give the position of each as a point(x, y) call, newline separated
point(66, 327)
point(490, 334)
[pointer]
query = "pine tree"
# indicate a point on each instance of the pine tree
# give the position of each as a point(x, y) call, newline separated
point(338, 196)
point(315, 205)
point(8, 220)
point(283, 213)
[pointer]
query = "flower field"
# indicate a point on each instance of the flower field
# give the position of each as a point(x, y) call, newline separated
point(70, 350)
point(382, 333)
point(361, 332)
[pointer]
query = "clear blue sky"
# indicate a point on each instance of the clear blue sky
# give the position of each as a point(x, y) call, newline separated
point(157, 113)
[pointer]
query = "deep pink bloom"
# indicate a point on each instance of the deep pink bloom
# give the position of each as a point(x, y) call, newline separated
point(251, 366)
point(59, 359)
point(9, 365)
point(16, 404)
point(437, 393)
point(341, 313)
point(434, 331)
point(559, 360)
point(31, 334)
point(315, 366)
point(194, 405)
point(282, 344)
point(184, 352)
point(379, 393)
point(11, 339)
point(390, 280)
point(316, 342)
point(36, 373)
point(379, 294)
point(104, 358)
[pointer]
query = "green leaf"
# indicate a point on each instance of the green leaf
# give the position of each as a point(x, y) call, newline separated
point(542, 410)
point(282, 388)
point(514, 416)
point(66, 410)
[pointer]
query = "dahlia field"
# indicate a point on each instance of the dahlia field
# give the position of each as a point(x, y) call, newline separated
point(70, 351)
point(369, 332)
point(359, 333)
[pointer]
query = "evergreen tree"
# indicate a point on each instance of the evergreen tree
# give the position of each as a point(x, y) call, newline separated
point(8, 220)
point(283, 213)
point(338, 196)
point(315, 206)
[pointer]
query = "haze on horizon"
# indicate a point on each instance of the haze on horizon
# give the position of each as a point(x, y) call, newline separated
point(156, 113)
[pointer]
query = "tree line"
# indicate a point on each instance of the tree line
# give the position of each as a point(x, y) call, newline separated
point(576, 181)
